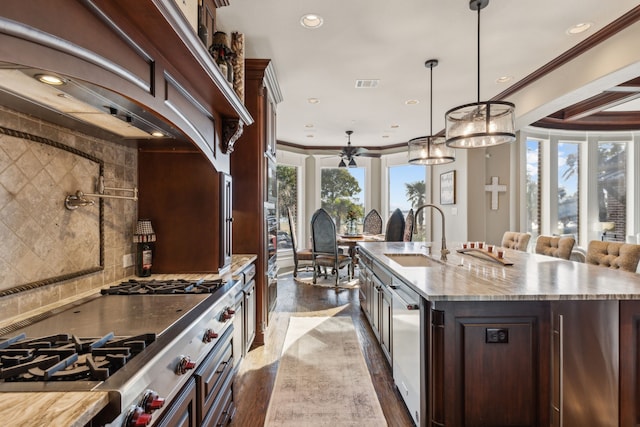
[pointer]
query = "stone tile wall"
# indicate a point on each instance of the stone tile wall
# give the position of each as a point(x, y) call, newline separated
point(64, 241)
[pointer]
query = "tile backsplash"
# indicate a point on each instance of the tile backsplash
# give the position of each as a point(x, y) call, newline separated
point(40, 237)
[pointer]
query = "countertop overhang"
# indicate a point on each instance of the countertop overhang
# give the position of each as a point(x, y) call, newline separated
point(532, 277)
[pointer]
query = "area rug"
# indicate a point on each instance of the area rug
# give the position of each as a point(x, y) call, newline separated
point(322, 378)
point(330, 282)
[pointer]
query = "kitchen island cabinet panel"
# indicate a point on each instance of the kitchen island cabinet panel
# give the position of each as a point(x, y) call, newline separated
point(630, 363)
point(182, 412)
point(489, 357)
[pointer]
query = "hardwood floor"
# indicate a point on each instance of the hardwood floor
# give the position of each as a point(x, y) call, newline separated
point(256, 376)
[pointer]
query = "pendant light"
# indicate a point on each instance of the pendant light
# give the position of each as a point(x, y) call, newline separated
point(480, 124)
point(430, 150)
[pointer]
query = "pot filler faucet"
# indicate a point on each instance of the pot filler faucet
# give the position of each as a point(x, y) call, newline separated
point(443, 251)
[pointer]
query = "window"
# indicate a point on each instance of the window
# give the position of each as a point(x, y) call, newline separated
point(287, 177)
point(533, 187)
point(407, 189)
point(568, 188)
point(341, 193)
point(612, 189)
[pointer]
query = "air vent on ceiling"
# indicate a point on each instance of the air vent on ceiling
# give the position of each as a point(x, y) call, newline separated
point(367, 83)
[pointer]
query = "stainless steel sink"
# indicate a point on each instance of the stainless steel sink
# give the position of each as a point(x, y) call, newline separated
point(413, 260)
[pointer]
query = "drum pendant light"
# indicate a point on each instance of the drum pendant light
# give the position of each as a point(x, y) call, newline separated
point(430, 150)
point(480, 124)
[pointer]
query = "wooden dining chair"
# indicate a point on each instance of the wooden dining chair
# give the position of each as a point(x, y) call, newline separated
point(617, 255)
point(372, 223)
point(408, 226)
point(395, 227)
point(555, 246)
point(325, 247)
point(299, 255)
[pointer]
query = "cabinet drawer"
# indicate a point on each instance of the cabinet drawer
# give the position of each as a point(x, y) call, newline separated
point(211, 376)
point(249, 273)
point(223, 408)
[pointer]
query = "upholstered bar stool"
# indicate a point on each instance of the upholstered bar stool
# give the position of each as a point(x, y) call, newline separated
point(515, 240)
point(557, 247)
point(618, 255)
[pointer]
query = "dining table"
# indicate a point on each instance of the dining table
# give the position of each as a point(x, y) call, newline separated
point(351, 240)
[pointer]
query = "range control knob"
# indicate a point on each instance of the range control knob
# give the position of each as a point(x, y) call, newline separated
point(227, 314)
point(136, 417)
point(209, 335)
point(185, 364)
point(151, 401)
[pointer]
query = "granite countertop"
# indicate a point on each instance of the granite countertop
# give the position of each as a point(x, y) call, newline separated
point(78, 408)
point(465, 277)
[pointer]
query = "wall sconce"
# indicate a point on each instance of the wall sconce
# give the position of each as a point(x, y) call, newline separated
point(74, 201)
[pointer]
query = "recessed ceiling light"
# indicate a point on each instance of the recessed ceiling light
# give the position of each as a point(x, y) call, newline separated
point(309, 125)
point(311, 21)
point(412, 102)
point(310, 136)
point(50, 79)
point(504, 79)
point(385, 136)
point(579, 28)
point(313, 100)
point(395, 126)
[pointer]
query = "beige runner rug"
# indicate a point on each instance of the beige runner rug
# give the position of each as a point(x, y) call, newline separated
point(323, 379)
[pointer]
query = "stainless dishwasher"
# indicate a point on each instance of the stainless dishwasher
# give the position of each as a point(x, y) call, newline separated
point(407, 373)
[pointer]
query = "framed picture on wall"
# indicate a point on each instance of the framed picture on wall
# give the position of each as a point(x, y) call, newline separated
point(448, 188)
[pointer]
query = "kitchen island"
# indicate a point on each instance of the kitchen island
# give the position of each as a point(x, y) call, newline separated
point(541, 342)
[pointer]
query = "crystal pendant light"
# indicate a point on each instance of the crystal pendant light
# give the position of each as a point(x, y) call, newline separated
point(480, 124)
point(430, 150)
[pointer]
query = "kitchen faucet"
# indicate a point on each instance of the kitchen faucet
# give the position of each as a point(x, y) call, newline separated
point(443, 251)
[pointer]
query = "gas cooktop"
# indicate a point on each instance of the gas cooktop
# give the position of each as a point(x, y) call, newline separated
point(172, 286)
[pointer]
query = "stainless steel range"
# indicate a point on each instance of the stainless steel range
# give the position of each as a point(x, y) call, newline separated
point(144, 342)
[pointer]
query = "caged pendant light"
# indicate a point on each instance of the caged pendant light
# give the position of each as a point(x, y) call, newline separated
point(480, 124)
point(430, 150)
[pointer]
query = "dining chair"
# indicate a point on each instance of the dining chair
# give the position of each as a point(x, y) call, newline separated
point(372, 223)
point(325, 247)
point(408, 226)
point(395, 227)
point(515, 240)
point(302, 255)
point(555, 246)
point(617, 255)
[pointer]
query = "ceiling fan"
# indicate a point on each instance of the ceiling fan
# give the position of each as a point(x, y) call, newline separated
point(348, 153)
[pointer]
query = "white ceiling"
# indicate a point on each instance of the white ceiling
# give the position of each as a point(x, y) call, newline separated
point(391, 40)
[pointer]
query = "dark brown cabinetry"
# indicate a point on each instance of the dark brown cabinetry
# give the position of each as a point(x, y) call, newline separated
point(182, 412)
point(244, 321)
point(214, 384)
point(253, 195)
point(488, 356)
point(188, 204)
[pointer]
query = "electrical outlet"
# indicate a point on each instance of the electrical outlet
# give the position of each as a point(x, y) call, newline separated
point(127, 260)
point(497, 336)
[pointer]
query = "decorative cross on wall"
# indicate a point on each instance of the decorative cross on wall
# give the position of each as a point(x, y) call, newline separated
point(495, 188)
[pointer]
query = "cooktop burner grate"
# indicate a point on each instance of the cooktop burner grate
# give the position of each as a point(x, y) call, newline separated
point(64, 357)
point(174, 286)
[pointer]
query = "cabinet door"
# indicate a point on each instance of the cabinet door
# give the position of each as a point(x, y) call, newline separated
point(250, 314)
point(376, 289)
point(226, 219)
point(238, 330)
point(182, 411)
point(386, 305)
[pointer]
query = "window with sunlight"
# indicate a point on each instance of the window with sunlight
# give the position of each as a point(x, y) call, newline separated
point(568, 188)
point(407, 190)
point(342, 196)
point(287, 177)
point(612, 189)
point(533, 187)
